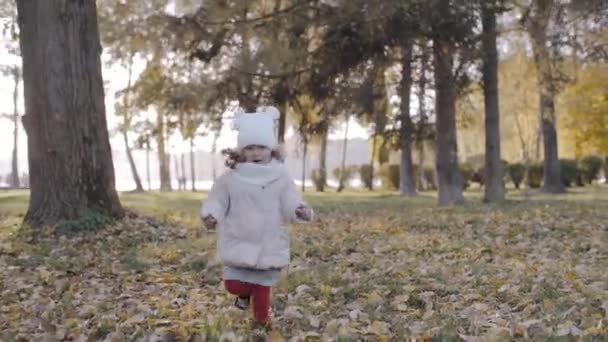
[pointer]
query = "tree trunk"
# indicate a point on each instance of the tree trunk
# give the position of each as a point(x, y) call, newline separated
point(422, 113)
point(494, 189)
point(539, 137)
point(320, 184)
point(163, 158)
point(448, 174)
point(148, 173)
point(304, 155)
point(138, 185)
point(537, 26)
point(127, 126)
point(380, 108)
point(423, 184)
point(177, 173)
point(70, 159)
point(15, 158)
point(192, 164)
point(342, 179)
point(552, 177)
point(370, 186)
point(282, 123)
point(407, 186)
point(213, 152)
point(183, 177)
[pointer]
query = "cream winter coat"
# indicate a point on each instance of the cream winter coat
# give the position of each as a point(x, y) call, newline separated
point(252, 204)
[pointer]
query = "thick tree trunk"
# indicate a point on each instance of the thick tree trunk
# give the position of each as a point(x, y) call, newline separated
point(192, 165)
point(15, 158)
point(163, 157)
point(537, 26)
point(494, 189)
point(70, 159)
point(342, 179)
point(407, 186)
point(448, 174)
point(552, 176)
point(127, 126)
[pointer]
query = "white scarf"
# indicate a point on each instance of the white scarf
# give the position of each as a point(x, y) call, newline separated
point(259, 174)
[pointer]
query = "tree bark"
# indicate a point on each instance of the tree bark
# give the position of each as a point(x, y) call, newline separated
point(422, 113)
point(379, 107)
point(192, 165)
point(163, 158)
point(15, 158)
point(342, 180)
point(282, 123)
point(320, 185)
point(370, 186)
point(70, 159)
point(494, 189)
point(448, 174)
point(127, 126)
point(537, 26)
point(407, 186)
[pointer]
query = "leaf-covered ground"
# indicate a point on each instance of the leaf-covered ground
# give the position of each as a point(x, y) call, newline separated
point(373, 267)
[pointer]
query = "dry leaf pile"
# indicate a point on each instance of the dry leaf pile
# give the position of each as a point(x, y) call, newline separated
point(379, 270)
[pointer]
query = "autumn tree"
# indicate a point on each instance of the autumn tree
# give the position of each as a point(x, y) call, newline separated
point(494, 186)
point(451, 34)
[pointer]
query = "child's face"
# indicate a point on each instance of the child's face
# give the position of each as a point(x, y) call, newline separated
point(257, 154)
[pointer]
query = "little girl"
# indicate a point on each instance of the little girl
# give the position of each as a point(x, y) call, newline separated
point(250, 204)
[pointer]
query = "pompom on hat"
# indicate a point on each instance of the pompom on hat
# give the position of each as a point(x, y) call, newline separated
point(257, 128)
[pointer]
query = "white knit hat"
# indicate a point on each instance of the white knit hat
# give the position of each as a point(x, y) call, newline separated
point(257, 128)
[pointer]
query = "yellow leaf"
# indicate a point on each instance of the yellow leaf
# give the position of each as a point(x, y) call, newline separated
point(326, 290)
point(187, 312)
point(374, 298)
point(571, 275)
point(380, 328)
point(548, 305)
point(275, 336)
point(71, 323)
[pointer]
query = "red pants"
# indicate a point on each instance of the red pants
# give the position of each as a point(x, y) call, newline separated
point(258, 293)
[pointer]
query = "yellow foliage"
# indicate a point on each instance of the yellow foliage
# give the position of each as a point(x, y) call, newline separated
point(585, 110)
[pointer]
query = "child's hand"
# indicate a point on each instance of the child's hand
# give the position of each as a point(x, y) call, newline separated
point(210, 222)
point(303, 213)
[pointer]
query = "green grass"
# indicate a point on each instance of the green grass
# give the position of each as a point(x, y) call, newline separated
point(14, 203)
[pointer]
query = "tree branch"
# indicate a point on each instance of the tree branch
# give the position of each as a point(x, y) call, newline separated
point(272, 76)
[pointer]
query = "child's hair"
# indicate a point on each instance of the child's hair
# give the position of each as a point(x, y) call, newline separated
point(234, 156)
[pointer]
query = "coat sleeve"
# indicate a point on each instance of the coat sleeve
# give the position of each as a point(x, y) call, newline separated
point(217, 202)
point(292, 199)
